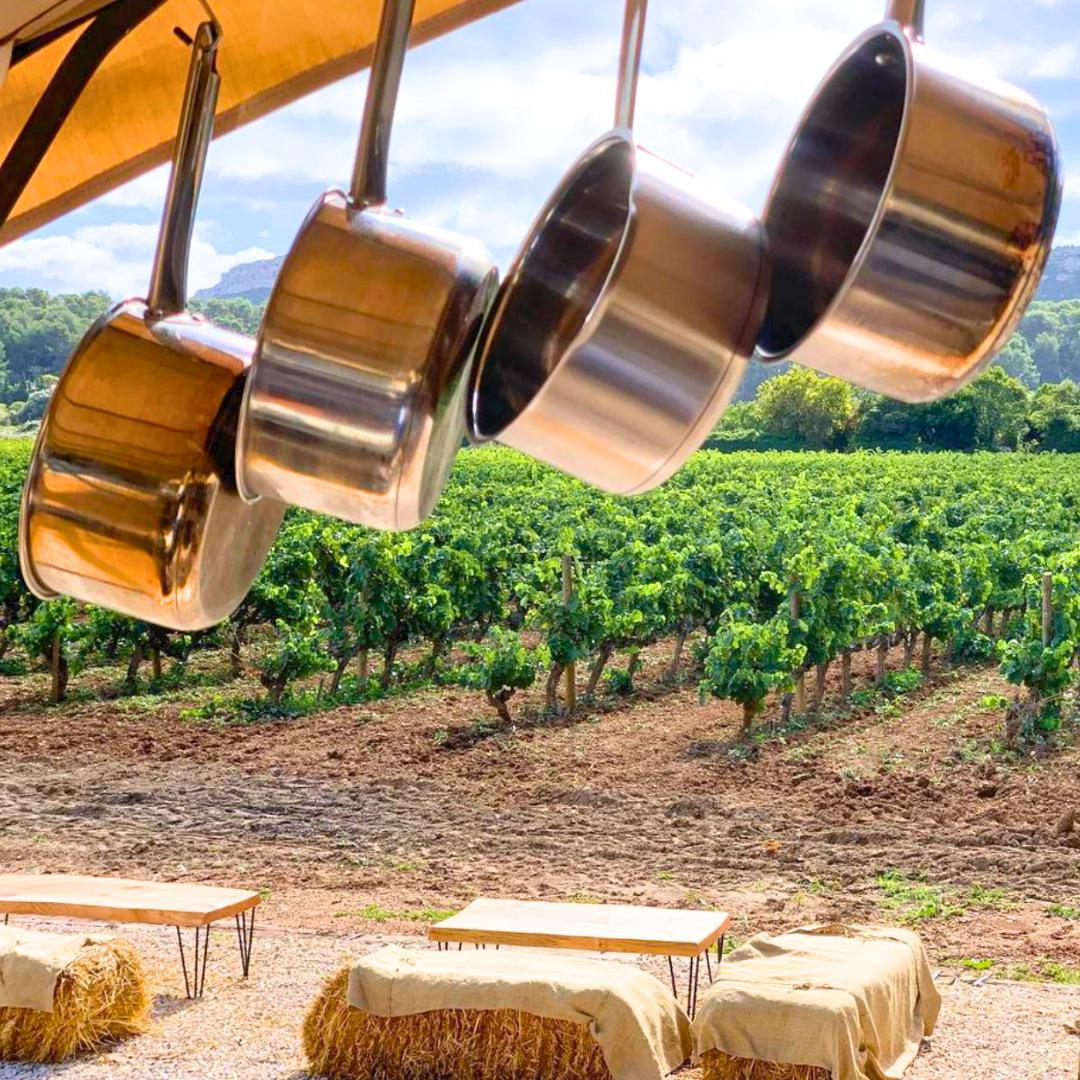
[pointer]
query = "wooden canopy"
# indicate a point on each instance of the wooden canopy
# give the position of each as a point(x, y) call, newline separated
point(273, 51)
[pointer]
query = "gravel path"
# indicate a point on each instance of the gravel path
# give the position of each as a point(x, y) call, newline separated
point(250, 1030)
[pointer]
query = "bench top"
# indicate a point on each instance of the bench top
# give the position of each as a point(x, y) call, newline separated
point(120, 900)
point(590, 927)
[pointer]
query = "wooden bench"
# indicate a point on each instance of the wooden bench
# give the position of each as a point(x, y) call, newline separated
point(603, 928)
point(192, 907)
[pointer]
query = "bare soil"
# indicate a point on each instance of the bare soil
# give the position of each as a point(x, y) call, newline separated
point(370, 820)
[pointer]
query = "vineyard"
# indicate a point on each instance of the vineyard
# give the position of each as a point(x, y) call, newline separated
point(761, 571)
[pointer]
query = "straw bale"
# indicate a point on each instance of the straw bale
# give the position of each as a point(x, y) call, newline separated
point(716, 1065)
point(100, 997)
point(344, 1043)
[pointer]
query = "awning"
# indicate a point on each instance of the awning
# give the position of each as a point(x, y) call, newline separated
point(273, 51)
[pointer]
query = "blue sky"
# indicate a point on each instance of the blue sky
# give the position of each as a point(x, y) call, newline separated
point(491, 116)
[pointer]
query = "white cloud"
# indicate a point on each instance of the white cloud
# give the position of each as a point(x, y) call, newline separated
point(113, 258)
point(491, 117)
point(147, 191)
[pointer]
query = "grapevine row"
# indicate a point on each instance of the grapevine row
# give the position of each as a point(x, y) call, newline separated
point(759, 568)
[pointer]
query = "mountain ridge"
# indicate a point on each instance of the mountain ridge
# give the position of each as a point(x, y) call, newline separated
point(1061, 281)
point(247, 281)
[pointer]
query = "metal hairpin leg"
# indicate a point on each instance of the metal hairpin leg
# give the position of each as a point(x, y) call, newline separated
point(671, 972)
point(194, 984)
point(245, 935)
point(692, 985)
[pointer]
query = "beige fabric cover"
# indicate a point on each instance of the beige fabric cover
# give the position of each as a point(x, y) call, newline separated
point(272, 52)
point(856, 1000)
point(31, 962)
point(642, 1030)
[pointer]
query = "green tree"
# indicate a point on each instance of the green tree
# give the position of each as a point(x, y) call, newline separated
point(1018, 360)
point(1054, 416)
point(1000, 404)
point(815, 407)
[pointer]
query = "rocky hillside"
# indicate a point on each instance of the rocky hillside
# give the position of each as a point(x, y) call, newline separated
point(250, 281)
point(1062, 278)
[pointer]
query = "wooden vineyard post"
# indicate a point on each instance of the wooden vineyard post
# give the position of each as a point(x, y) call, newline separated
point(57, 689)
point(1047, 609)
point(800, 678)
point(568, 595)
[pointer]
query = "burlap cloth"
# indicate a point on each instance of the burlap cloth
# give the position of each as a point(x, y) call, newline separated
point(31, 962)
point(642, 1030)
point(853, 999)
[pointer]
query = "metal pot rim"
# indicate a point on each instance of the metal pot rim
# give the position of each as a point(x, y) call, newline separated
point(618, 136)
point(893, 30)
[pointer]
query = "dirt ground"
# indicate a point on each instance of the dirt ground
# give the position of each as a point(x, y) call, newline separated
point(372, 820)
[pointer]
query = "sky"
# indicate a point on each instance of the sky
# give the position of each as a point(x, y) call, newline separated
point(491, 116)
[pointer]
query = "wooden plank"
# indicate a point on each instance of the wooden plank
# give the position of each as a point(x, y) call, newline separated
point(590, 927)
point(120, 899)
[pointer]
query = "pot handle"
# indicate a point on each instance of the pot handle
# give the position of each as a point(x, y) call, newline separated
point(168, 278)
point(911, 15)
point(633, 34)
point(368, 187)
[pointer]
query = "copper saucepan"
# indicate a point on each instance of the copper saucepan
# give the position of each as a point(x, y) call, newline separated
point(355, 406)
point(131, 499)
point(911, 219)
point(627, 318)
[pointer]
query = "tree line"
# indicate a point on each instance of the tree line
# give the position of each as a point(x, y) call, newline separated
point(39, 330)
point(782, 408)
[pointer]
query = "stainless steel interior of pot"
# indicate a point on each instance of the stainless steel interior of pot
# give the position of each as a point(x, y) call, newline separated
point(559, 279)
point(827, 195)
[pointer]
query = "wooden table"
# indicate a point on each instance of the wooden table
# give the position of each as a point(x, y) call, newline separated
point(603, 928)
point(155, 903)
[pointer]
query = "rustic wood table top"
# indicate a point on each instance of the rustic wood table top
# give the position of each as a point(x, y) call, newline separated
point(618, 928)
point(120, 900)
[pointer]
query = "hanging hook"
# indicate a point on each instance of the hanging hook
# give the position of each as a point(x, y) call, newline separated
point(168, 278)
point(633, 35)
point(911, 15)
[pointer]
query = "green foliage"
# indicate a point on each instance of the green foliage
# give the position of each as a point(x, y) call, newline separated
point(914, 900)
point(989, 414)
point(1018, 360)
point(501, 667)
point(744, 660)
point(1052, 332)
point(1065, 911)
point(878, 548)
point(902, 682)
point(817, 408)
point(231, 312)
point(39, 330)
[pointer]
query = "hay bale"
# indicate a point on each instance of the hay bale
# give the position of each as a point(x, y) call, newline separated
point(100, 997)
point(452, 1044)
point(716, 1065)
